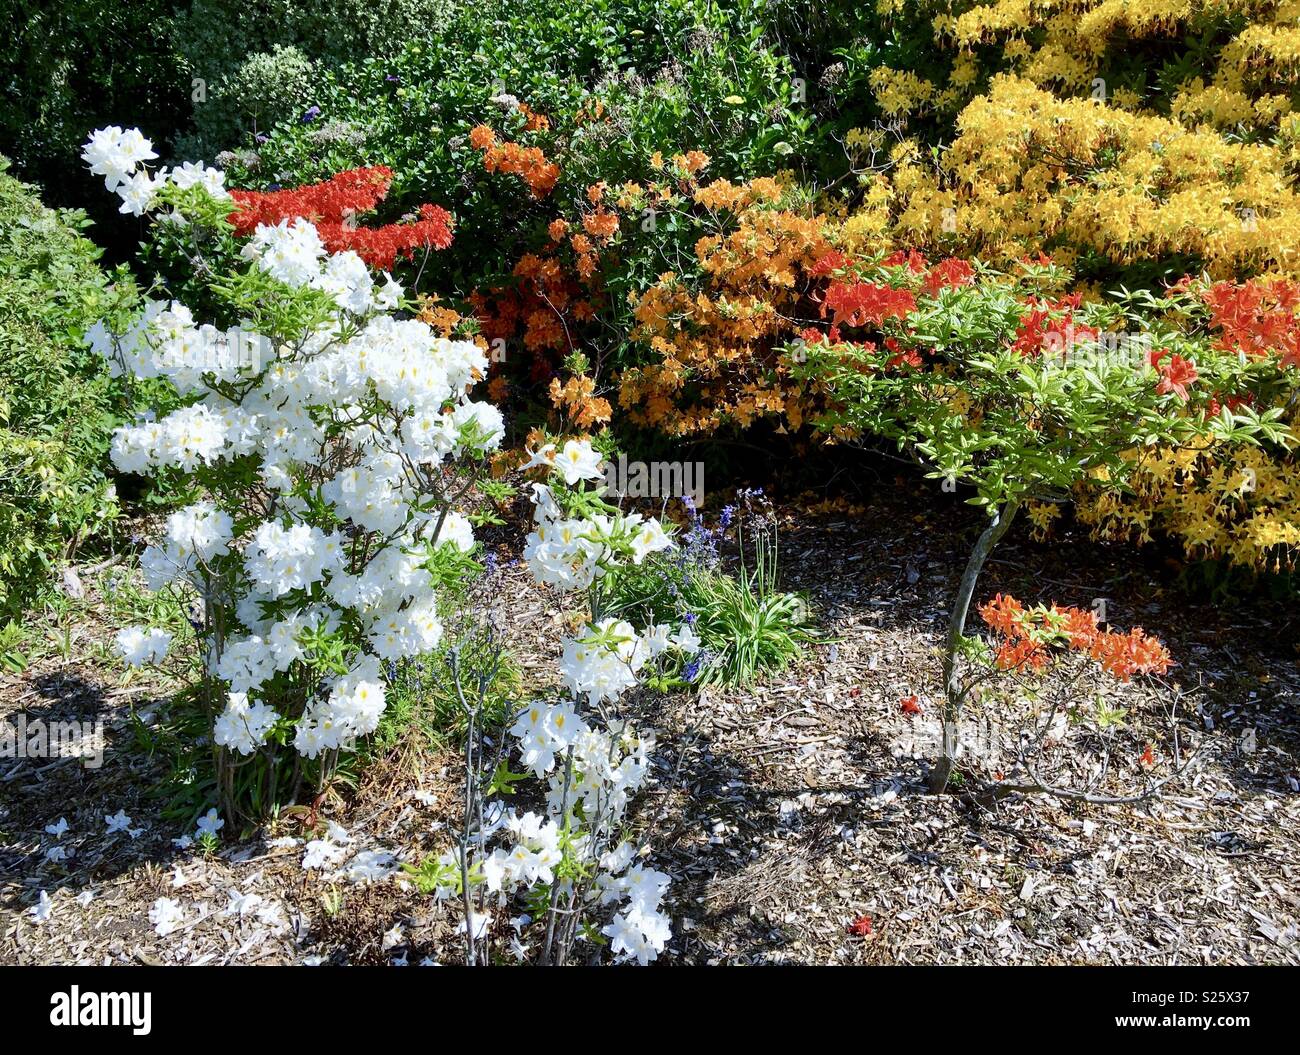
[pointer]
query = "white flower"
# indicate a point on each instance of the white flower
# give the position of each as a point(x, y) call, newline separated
point(686, 639)
point(322, 853)
point(290, 251)
point(210, 823)
point(139, 647)
point(244, 726)
point(370, 866)
point(603, 662)
point(544, 457)
point(117, 822)
point(649, 537)
point(281, 559)
point(457, 531)
point(483, 419)
point(115, 154)
point(638, 935)
point(477, 924)
point(166, 916)
point(139, 192)
point(578, 461)
point(241, 904)
point(43, 909)
point(390, 293)
point(192, 174)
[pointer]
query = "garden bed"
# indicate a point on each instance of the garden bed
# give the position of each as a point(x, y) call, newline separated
point(792, 817)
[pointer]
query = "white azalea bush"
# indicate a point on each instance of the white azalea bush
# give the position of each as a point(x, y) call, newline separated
point(327, 440)
point(546, 882)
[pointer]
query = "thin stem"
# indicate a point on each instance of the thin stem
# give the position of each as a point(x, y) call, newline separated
point(953, 694)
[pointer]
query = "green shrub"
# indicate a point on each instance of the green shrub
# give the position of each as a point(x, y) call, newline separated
point(56, 403)
point(265, 88)
point(671, 75)
point(216, 37)
point(71, 66)
point(748, 627)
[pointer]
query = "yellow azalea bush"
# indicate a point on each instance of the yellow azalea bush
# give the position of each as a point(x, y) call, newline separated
point(1031, 172)
point(1236, 504)
point(1246, 52)
point(1124, 137)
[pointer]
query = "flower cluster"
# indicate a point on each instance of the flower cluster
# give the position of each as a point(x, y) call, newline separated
point(119, 157)
point(606, 660)
point(571, 847)
point(574, 855)
point(1027, 637)
point(528, 163)
point(331, 209)
point(326, 458)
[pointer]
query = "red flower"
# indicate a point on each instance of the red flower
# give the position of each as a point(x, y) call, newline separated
point(337, 199)
point(915, 261)
point(860, 927)
point(332, 207)
point(1051, 327)
point(860, 303)
point(948, 273)
point(1175, 376)
point(910, 705)
point(1257, 318)
point(1148, 757)
point(832, 261)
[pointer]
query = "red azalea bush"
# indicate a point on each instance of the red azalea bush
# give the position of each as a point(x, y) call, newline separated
point(333, 205)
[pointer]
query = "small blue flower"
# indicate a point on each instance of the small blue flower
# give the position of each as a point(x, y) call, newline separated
point(691, 617)
point(310, 114)
point(728, 514)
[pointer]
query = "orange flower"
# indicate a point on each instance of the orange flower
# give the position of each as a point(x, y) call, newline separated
point(1015, 655)
point(557, 229)
point(1003, 614)
point(1124, 655)
point(601, 224)
point(1175, 376)
point(482, 138)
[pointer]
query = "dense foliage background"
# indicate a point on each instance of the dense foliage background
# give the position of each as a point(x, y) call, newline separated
point(579, 148)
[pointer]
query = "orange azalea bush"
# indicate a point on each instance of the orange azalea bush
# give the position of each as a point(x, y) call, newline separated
point(1028, 638)
point(712, 336)
point(1048, 650)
